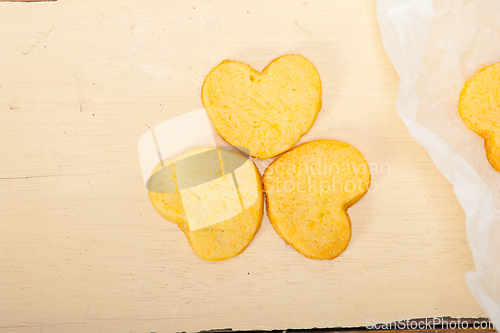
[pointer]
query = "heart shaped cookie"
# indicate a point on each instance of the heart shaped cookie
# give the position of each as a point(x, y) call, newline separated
point(308, 191)
point(265, 112)
point(479, 108)
point(214, 196)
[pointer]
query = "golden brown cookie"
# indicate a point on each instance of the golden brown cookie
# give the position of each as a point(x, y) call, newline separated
point(214, 196)
point(479, 107)
point(308, 191)
point(265, 112)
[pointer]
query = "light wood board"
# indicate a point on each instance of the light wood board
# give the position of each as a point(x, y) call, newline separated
point(83, 250)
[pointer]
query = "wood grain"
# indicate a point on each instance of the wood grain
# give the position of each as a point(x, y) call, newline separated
point(83, 250)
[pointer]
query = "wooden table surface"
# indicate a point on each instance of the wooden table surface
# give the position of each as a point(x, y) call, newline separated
point(83, 250)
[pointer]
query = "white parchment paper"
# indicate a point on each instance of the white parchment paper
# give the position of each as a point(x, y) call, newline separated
point(435, 46)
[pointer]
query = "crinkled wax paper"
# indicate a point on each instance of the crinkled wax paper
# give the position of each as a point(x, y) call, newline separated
point(435, 46)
